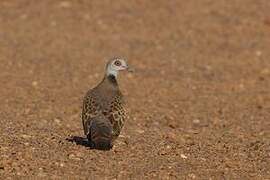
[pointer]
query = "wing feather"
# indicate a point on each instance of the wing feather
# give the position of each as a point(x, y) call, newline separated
point(90, 110)
point(113, 110)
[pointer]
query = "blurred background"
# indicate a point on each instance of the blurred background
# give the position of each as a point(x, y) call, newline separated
point(198, 101)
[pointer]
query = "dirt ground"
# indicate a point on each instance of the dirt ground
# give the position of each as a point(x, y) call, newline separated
point(199, 101)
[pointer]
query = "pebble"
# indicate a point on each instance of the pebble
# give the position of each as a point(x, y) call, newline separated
point(34, 83)
point(4, 148)
point(27, 111)
point(57, 120)
point(258, 53)
point(65, 4)
point(208, 67)
point(86, 16)
point(24, 16)
point(193, 176)
point(73, 157)
point(203, 159)
point(41, 174)
point(53, 23)
point(25, 136)
point(173, 124)
point(183, 156)
point(196, 121)
point(172, 137)
point(140, 131)
point(265, 71)
point(241, 86)
point(130, 75)
point(163, 152)
point(96, 75)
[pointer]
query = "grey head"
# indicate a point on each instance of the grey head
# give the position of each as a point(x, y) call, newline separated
point(115, 65)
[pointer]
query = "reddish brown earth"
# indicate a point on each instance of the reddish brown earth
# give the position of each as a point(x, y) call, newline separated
point(199, 100)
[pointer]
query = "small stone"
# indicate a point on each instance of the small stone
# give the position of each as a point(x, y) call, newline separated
point(258, 53)
point(193, 131)
point(57, 120)
point(183, 156)
point(73, 157)
point(41, 174)
point(25, 136)
point(96, 75)
point(79, 154)
point(34, 83)
point(208, 67)
point(130, 75)
point(43, 122)
point(65, 4)
point(172, 137)
point(196, 121)
point(86, 16)
point(140, 131)
point(156, 123)
point(53, 23)
point(27, 111)
point(241, 86)
point(126, 142)
point(173, 124)
point(23, 16)
point(216, 121)
point(265, 71)
point(203, 159)
point(61, 165)
point(4, 148)
point(162, 152)
point(193, 176)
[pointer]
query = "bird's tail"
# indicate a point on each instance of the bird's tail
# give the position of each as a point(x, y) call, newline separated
point(100, 134)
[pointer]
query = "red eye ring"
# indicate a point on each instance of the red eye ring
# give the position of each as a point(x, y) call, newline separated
point(117, 63)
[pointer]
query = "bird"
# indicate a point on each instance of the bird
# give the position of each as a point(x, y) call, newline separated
point(103, 111)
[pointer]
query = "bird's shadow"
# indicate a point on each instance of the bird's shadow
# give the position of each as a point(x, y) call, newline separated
point(79, 141)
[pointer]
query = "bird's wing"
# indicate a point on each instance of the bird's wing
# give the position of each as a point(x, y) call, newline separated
point(116, 114)
point(90, 110)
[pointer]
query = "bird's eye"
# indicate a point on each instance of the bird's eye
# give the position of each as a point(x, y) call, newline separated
point(117, 63)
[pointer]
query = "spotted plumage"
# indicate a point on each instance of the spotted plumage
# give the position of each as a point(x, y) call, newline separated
point(103, 113)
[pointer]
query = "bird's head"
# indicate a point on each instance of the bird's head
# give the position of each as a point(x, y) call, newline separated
point(115, 65)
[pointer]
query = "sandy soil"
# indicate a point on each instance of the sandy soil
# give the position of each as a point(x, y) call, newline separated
point(199, 100)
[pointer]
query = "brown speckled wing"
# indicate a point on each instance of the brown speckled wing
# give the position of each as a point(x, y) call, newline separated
point(90, 110)
point(116, 113)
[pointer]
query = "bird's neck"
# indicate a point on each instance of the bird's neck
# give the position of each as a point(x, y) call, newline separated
point(111, 71)
point(112, 79)
point(109, 81)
